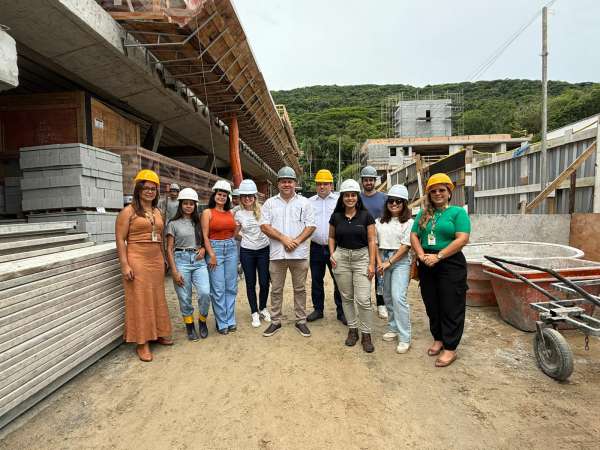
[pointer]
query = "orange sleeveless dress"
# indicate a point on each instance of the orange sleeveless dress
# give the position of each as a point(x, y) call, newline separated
point(146, 311)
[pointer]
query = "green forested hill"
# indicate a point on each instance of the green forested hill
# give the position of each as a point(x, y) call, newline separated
point(320, 114)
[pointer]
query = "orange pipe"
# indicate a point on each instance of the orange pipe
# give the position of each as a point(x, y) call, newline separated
point(234, 151)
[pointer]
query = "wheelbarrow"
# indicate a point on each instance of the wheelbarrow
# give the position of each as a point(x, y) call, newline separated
point(552, 351)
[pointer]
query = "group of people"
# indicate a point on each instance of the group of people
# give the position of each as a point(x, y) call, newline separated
point(358, 235)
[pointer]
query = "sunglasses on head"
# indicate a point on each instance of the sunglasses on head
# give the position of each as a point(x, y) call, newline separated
point(394, 201)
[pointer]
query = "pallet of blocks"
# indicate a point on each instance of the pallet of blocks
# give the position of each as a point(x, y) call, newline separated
point(59, 312)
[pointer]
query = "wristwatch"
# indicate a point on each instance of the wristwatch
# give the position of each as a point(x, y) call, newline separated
point(439, 256)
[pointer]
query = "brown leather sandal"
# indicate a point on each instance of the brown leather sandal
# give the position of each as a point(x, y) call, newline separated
point(440, 363)
point(165, 341)
point(144, 353)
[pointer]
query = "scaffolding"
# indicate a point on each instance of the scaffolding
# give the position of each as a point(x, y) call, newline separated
point(391, 111)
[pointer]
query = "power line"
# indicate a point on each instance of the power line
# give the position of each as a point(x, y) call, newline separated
point(482, 68)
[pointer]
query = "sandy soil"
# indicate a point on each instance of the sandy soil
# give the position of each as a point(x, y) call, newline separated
point(246, 391)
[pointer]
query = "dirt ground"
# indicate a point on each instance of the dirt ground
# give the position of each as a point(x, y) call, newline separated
point(246, 391)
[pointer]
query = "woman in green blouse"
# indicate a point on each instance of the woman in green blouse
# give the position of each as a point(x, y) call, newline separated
point(438, 235)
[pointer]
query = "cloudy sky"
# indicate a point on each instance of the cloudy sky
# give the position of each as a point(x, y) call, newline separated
point(308, 42)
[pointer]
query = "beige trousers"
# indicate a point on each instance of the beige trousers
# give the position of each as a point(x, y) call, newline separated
point(355, 287)
point(278, 270)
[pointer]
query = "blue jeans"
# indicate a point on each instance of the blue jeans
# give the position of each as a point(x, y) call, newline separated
point(319, 261)
point(223, 282)
point(254, 261)
point(195, 273)
point(395, 287)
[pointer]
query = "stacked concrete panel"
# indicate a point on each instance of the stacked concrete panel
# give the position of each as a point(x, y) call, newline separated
point(12, 195)
point(59, 313)
point(99, 225)
point(20, 241)
point(70, 176)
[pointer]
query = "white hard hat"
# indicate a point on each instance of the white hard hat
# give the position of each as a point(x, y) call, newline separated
point(235, 193)
point(398, 191)
point(188, 194)
point(368, 172)
point(286, 172)
point(350, 186)
point(247, 187)
point(222, 185)
point(174, 187)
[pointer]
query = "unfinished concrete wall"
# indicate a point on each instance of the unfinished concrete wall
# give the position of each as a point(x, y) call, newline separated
point(423, 118)
point(585, 229)
point(9, 72)
point(553, 228)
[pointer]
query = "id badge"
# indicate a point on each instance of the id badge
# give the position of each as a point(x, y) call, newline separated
point(154, 236)
point(431, 239)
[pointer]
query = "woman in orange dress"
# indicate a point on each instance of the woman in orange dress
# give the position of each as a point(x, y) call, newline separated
point(139, 231)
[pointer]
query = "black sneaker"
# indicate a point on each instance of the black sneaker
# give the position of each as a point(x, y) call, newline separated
point(223, 331)
point(315, 315)
point(232, 328)
point(302, 329)
point(272, 329)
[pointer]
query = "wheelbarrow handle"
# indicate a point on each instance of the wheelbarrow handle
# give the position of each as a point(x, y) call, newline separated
point(499, 262)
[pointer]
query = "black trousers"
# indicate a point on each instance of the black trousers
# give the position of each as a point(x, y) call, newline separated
point(319, 262)
point(444, 292)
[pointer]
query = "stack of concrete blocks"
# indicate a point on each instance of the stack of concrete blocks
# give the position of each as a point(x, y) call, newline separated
point(73, 182)
point(59, 313)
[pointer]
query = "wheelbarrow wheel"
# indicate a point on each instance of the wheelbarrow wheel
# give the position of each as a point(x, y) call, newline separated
point(555, 358)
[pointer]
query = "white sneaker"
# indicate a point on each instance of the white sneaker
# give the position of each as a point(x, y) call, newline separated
point(255, 320)
point(265, 315)
point(382, 312)
point(402, 347)
point(390, 336)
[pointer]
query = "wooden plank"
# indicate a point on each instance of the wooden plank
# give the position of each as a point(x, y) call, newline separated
point(572, 189)
point(562, 177)
point(138, 15)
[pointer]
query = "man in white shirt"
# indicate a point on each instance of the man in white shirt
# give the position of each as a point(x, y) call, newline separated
point(323, 205)
point(288, 220)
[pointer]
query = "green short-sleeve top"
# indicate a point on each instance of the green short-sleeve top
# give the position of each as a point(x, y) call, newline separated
point(448, 222)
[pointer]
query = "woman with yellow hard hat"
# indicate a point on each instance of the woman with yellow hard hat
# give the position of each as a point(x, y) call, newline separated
point(438, 235)
point(139, 231)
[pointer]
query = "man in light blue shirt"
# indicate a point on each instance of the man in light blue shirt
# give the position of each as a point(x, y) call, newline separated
point(323, 205)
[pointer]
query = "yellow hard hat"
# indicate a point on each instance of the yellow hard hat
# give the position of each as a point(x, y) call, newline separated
point(147, 175)
point(323, 176)
point(439, 178)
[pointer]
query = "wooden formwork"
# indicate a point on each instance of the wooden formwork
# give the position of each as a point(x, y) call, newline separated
point(169, 170)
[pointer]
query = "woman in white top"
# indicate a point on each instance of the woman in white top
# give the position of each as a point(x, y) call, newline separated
point(393, 263)
point(254, 251)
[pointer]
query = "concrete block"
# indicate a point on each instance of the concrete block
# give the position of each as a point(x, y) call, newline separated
point(9, 71)
point(100, 226)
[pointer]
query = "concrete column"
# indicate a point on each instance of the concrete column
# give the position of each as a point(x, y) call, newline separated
point(234, 151)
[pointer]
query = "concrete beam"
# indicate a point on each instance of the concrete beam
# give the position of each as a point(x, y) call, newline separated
point(9, 72)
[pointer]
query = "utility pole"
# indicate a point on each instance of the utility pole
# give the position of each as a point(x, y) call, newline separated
point(339, 162)
point(543, 160)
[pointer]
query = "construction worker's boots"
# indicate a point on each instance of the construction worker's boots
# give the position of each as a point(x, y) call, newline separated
point(352, 338)
point(367, 345)
point(191, 331)
point(202, 329)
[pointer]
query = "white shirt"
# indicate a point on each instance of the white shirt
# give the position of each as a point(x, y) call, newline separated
point(252, 237)
point(323, 208)
point(289, 218)
point(393, 234)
